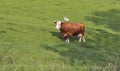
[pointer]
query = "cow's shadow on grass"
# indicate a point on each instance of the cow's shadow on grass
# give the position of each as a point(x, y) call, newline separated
point(110, 19)
point(57, 34)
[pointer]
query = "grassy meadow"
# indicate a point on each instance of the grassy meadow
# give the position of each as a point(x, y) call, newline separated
point(30, 42)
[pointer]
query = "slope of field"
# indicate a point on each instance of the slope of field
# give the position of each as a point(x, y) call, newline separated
point(30, 42)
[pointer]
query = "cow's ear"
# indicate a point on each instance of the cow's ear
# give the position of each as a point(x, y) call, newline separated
point(55, 22)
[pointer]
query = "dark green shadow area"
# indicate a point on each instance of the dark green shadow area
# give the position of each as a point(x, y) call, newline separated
point(57, 34)
point(110, 19)
point(101, 50)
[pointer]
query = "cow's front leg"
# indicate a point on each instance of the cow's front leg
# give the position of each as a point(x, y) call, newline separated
point(66, 37)
point(67, 40)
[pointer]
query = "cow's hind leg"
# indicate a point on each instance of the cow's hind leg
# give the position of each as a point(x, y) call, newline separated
point(83, 39)
point(80, 37)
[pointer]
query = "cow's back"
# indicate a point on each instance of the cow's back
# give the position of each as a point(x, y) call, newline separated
point(72, 28)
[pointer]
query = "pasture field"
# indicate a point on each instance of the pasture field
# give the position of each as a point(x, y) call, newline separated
point(30, 42)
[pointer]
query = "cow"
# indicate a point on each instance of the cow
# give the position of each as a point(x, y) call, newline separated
point(68, 29)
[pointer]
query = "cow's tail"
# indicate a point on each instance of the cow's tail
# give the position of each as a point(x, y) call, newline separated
point(84, 32)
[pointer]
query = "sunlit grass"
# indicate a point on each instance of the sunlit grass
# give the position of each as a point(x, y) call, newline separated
point(30, 42)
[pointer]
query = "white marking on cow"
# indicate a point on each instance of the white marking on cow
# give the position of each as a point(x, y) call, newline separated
point(65, 35)
point(58, 25)
point(80, 35)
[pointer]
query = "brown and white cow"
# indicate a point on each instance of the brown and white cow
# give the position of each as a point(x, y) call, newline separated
point(68, 29)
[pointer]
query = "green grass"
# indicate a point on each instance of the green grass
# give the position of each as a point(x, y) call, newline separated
point(30, 42)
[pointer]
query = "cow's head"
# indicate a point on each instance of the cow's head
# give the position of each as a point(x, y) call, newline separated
point(58, 24)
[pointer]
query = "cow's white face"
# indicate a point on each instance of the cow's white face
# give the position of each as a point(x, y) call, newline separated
point(58, 25)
